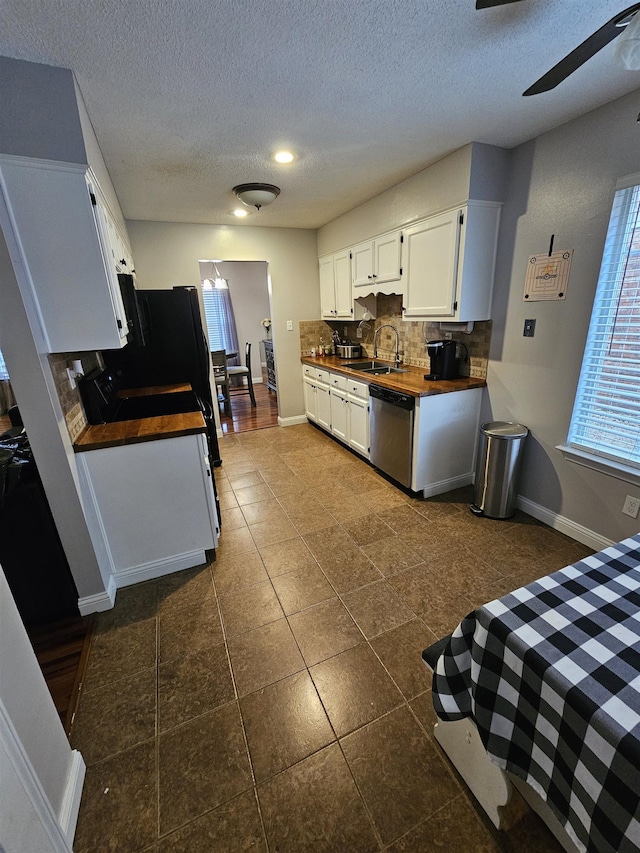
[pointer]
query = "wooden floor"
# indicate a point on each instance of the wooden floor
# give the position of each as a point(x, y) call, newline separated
point(246, 417)
point(62, 649)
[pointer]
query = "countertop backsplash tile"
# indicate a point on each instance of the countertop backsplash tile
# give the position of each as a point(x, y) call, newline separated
point(70, 398)
point(413, 336)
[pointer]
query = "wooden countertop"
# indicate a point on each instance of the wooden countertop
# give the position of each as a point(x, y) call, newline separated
point(98, 436)
point(152, 390)
point(412, 382)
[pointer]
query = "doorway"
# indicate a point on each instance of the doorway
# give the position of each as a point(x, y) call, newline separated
point(236, 296)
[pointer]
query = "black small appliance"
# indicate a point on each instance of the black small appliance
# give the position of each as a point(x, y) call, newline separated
point(442, 355)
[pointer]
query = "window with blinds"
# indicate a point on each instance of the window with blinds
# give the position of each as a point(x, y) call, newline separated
point(4, 373)
point(606, 413)
point(221, 325)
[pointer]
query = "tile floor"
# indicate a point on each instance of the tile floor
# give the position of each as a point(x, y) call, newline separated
point(275, 700)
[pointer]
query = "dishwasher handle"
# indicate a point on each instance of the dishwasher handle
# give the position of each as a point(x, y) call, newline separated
point(395, 398)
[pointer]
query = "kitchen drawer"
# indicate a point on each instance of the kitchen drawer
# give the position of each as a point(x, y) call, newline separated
point(358, 389)
point(309, 371)
point(338, 381)
point(323, 376)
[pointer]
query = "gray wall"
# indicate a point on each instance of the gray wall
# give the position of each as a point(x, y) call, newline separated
point(39, 116)
point(167, 254)
point(561, 183)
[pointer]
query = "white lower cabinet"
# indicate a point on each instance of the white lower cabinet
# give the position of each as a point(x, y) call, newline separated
point(358, 413)
point(339, 415)
point(155, 504)
point(338, 405)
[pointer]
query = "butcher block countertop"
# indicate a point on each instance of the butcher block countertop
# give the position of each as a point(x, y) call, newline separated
point(98, 436)
point(412, 382)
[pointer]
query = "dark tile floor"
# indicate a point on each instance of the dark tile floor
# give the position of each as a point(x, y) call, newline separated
point(276, 700)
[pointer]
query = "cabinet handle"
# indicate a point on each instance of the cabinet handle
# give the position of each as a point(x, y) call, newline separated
point(369, 276)
point(374, 276)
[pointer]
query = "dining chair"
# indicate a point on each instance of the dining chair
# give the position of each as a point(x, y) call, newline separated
point(243, 372)
point(221, 376)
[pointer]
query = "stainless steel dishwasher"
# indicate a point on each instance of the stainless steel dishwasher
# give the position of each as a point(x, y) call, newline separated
point(391, 416)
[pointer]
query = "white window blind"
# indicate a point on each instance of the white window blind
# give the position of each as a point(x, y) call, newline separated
point(221, 325)
point(4, 373)
point(606, 414)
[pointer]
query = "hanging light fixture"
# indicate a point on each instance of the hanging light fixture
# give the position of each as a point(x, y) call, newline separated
point(216, 281)
point(257, 195)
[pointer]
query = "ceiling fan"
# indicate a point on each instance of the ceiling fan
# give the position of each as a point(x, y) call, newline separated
point(617, 25)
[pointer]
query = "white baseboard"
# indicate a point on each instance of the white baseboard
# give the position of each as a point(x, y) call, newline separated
point(297, 419)
point(564, 525)
point(159, 568)
point(100, 601)
point(70, 807)
point(447, 485)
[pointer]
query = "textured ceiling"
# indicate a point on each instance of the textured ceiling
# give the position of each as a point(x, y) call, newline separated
point(189, 97)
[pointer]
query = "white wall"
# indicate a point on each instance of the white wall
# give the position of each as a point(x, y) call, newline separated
point(561, 183)
point(435, 188)
point(167, 254)
point(35, 748)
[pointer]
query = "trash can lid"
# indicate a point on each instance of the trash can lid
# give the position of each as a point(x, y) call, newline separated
point(504, 429)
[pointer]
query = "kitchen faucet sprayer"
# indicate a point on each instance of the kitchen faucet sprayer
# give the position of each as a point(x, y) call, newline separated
point(375, 341)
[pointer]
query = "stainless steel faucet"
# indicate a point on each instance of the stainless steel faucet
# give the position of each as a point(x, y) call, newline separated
point(375, 341)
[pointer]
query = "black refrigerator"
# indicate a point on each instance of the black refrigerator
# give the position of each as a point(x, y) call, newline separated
point(175, 350)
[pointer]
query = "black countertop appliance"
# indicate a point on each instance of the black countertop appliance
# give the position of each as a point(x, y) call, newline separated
point(175, 351)
point(31, 553)
point(443, 362)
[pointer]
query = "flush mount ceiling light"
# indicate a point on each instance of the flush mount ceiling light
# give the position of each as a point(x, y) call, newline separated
point(257, 195)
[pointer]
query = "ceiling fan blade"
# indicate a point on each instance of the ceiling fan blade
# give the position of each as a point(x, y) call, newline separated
point(488, 4)
point(581, 54)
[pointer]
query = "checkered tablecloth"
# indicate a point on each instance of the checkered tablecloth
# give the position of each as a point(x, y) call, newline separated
point(551, 676)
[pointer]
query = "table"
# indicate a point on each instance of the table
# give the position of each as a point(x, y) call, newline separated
point(550, 674)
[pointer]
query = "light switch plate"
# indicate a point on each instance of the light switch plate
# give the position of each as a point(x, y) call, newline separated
point(529, 328)
point(289, 325)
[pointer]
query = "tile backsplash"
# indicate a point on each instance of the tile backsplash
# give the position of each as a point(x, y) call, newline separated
point(70, 398)
point(413, 336)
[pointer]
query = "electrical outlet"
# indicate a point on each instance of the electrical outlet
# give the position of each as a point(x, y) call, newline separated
point(631, 506)
point(289, 325)
point(529, 328)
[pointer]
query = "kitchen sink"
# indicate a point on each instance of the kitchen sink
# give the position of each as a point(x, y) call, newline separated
point(375, 367)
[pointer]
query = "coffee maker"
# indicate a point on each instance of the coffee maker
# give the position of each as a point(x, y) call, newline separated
point(443, 361)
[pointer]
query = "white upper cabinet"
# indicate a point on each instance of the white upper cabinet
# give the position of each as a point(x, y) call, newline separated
point(449, 264)
point(58, 243)
point(377, 262)
point(335, 286)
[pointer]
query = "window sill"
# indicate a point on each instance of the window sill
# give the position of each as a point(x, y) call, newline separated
point(599, 463)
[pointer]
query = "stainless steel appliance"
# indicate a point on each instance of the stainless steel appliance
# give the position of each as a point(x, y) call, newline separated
point(391, 415)
point(443, 362)
point(348, 350)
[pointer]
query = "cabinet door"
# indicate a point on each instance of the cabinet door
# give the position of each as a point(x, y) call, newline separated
point(339, 418)
point(342, 281)
point(327, 288)
point(310, 401)
point(60, 261)
point(359, 425)
point(362, 265)
point(430, 266)
point(323, 410)
point(387, 258)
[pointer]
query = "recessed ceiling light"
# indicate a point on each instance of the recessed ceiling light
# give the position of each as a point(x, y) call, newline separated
point(240, 213)
point(283, 157)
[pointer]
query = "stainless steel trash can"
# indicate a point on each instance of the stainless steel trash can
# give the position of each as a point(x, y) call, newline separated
point(497, 469)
